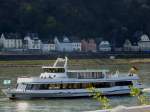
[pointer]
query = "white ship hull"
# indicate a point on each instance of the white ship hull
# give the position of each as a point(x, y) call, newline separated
point(63, 93)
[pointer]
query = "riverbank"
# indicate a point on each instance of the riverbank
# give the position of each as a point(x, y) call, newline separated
point(145, 108)
point(75, 55)
point(73, 62)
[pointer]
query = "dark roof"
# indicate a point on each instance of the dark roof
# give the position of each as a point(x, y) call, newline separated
point(51, 41)
point(32, 35)
point(98, 40)
point(71, 38)
point(74, 39)
point(12, 35)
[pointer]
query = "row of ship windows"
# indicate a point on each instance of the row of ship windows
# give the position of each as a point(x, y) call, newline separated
point(54, 70)
point(87, 75)
point(77, 85)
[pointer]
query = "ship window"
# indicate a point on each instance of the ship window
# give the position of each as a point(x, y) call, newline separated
point(16, 85)
point(54, 70)
point(89, 75)
point(70, 86)
point(36, 87)
point(102, 85)
point(54, 86)
point(75, 86)
point(44, 86)
point(64, 86)
point(29, 86)
point(85, 85)
point(124, 83)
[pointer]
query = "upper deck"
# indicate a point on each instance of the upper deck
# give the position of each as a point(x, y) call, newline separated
point(113, 78)
point(58, 73)
point(87, 74)
point(88, 70)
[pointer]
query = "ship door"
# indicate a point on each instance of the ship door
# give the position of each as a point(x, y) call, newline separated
point(21, 87)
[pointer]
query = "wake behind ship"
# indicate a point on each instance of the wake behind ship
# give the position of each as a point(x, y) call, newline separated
point(58, 81)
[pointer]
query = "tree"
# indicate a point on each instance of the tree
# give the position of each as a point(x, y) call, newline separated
point(103, 100)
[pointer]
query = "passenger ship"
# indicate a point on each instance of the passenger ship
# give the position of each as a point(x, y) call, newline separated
point(58, 81)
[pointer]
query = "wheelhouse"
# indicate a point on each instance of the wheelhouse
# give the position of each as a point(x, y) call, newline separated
point(53, 69)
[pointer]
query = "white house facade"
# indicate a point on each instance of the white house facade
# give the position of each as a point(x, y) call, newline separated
point(144, 43)
point(47, 48)
point(52, 47)
point(32, 43)
point(127, 46)
point(76, 46)
point(66, 45)
point(104, 46)
point(10, 42)
point(135, 47)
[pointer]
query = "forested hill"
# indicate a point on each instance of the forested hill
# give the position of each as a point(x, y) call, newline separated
point(86, 18)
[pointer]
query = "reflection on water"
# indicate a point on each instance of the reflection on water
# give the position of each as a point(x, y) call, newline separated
point(60, 105)
point(63, 105)
point(22, 106)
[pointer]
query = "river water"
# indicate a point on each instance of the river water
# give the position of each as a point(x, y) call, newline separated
point(64, 105)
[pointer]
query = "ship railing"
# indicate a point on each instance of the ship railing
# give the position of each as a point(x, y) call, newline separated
point(121, 75)
point(26, 79)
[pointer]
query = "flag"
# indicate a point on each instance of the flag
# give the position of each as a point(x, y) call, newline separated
point(7, 82)
point(134, 69)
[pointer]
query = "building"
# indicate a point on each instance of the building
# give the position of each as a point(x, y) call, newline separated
point(48, 47)
point(11, 41)
point(127, 46)
point(92, 45)
point(84, 45)
point(104, 46)
point(32, 43)
point(45, 48)
point(66, 45)
point(144, 43)
point(52, 47)
point(88, 46)
point(97, 41)
point(135, 47)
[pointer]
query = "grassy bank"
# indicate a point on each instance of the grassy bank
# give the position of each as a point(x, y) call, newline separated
point(77, 62)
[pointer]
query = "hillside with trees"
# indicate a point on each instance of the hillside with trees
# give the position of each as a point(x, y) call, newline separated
point(111, 19)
